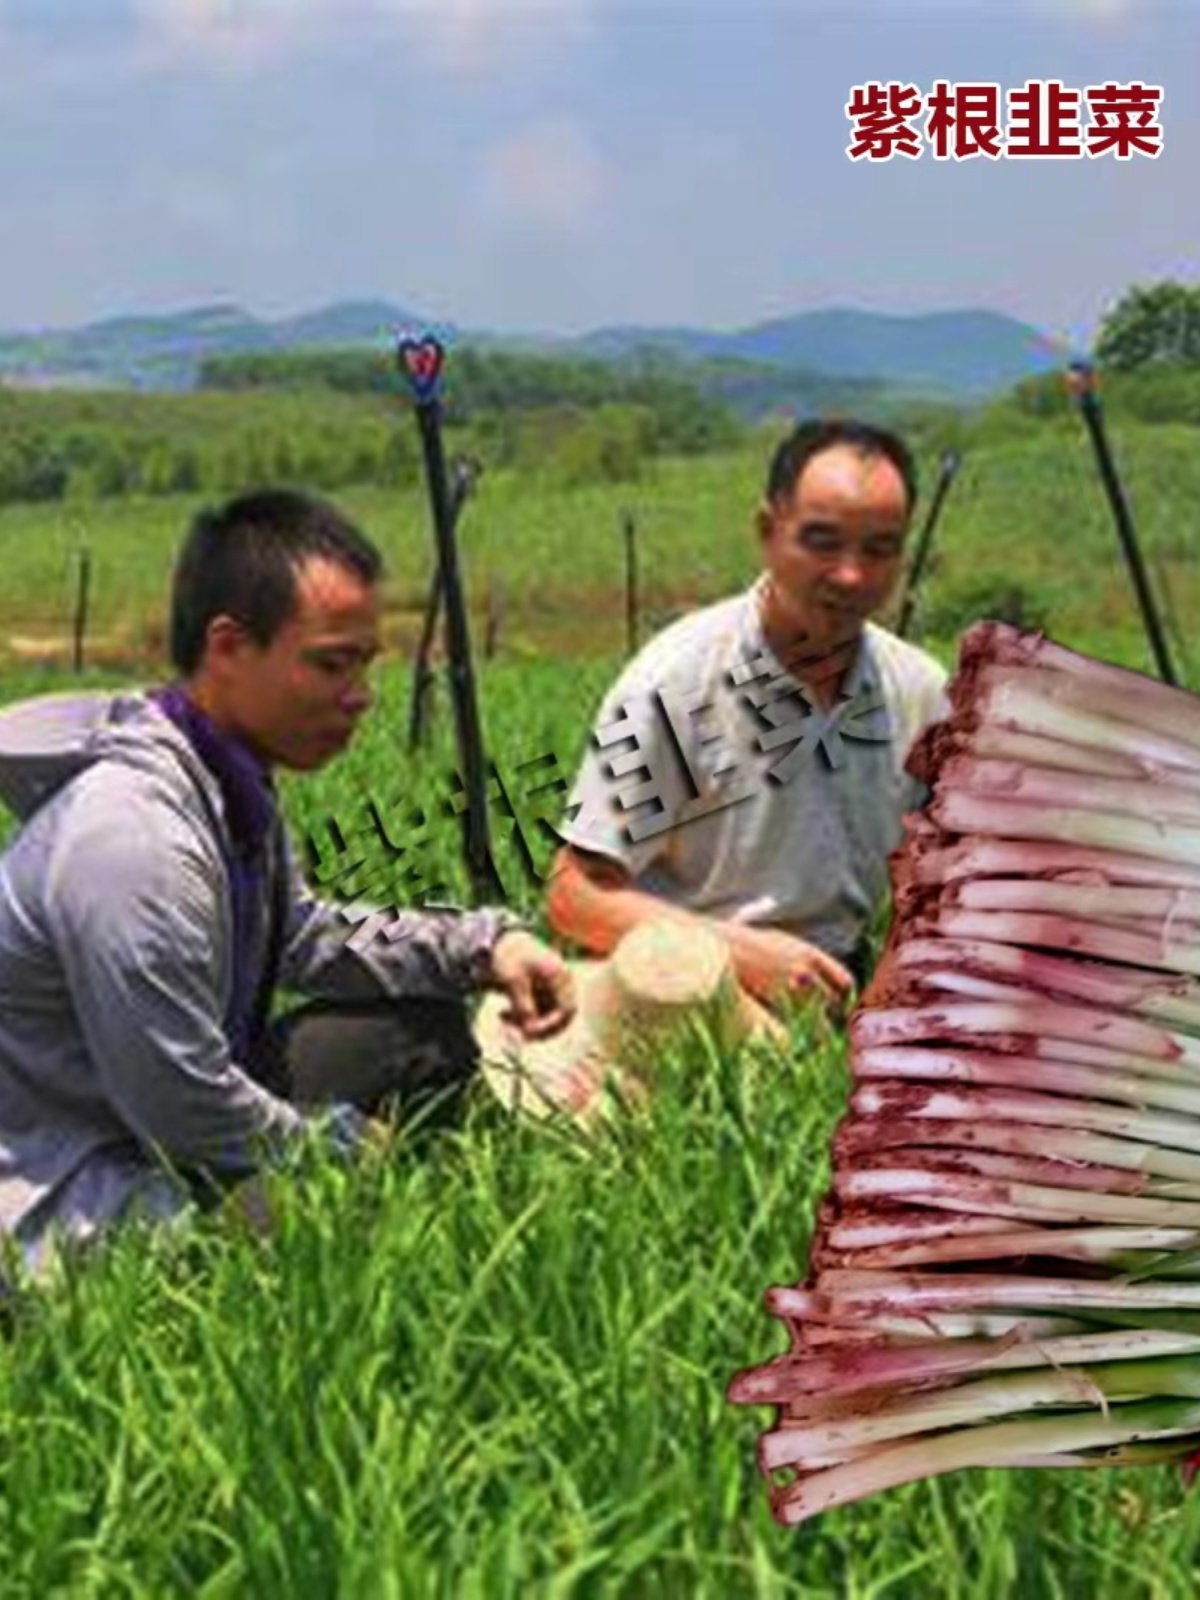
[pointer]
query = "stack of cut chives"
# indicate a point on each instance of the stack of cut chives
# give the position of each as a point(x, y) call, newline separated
point(1007, 1269)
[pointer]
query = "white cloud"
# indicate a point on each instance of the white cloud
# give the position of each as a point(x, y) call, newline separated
point(226, 33)
point(465, 36)
point(472, 36)
point(549, 174)
point(1088, 10)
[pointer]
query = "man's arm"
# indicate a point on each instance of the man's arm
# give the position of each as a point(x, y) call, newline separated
point(445, 954)
point(591, 899)
point(593, 902)
point(334, 952)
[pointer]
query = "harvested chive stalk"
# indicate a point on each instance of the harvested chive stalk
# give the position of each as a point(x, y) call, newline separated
point(1006, 1271)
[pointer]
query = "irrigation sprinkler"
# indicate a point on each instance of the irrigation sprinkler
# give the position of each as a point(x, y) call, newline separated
point(951, 461)
point(1081, 382)
point(421, 361)
point(83, 580)
point(466, 472)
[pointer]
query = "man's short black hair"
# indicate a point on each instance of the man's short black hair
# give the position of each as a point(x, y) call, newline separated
point(809, 439)
point(241, 559)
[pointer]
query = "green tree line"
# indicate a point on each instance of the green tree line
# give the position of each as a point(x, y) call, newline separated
point(1154, 325)
point(1148, 357)
point(657, 401)
point(1149, 394)
point(57, 445)
point(328, 421)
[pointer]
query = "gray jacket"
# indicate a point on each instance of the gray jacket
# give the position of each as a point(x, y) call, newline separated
point(116, 968)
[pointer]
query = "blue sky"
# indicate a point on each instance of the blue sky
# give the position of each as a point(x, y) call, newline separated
point(564, 164)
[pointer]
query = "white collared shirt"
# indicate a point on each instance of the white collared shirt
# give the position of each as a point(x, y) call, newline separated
point(778, 813)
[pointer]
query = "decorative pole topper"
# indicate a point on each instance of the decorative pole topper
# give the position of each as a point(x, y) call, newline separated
point(1081, 380)
point(421, 360)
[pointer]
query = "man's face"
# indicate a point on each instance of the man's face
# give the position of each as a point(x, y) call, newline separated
point(297, 702)
point(833, 549)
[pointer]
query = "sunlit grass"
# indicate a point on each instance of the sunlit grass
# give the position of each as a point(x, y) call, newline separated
point(1031, 513)
point(495, 1366)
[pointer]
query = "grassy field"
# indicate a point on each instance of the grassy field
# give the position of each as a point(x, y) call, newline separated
point(1028, 514)
point(497, 1370)
point(495, 1365)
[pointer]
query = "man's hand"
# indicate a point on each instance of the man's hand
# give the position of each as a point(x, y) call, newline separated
point(541, 994)
point(772, 964)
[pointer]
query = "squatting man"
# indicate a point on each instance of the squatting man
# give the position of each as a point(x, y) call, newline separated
point(149, 904)
point(734, 817)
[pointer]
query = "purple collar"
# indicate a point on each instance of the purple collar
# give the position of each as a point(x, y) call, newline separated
point(246, 785)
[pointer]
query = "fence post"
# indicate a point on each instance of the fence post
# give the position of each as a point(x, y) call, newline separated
point(494, 617)
point(83, 578)
point(629, 526)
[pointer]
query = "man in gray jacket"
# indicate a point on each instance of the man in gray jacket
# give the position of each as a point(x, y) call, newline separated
point(149, 906)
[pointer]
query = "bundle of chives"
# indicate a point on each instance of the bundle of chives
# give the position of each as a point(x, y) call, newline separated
point(1007, 1269)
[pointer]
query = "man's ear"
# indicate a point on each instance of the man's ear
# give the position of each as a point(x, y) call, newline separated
point(764, 521)
point(224, 639)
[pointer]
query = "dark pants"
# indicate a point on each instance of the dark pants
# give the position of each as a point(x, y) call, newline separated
point(859, 963)
point(387, 1057)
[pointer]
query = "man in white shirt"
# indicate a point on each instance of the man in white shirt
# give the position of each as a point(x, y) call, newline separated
point(748, 765)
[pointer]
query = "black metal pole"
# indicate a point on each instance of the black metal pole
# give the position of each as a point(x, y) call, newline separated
point(1174, 631)
point(629, 527)
point(421, 361)
point(83, 575)
point(951, 461)
point(1082, 384)
point(465, 472)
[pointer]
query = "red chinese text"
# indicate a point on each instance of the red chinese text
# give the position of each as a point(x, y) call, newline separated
point(1043, 118)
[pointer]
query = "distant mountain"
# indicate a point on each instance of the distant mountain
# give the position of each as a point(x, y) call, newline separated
point(959, 353)
point(165, 352)
point(952, 354)
point(350, 322)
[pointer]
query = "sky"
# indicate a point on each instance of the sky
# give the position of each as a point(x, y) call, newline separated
point(561, 165)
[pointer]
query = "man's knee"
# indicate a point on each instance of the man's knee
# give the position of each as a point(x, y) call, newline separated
point(376, 1053)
